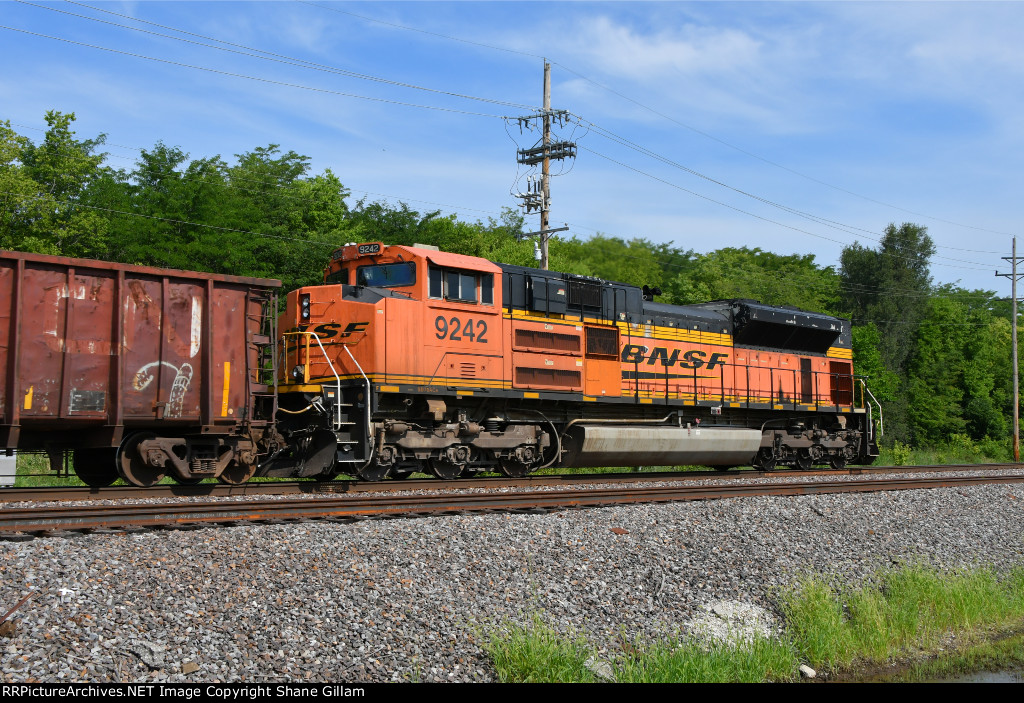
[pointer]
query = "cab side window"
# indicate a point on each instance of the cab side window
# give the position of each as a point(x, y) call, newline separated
point(460, 286)
point(339, 276)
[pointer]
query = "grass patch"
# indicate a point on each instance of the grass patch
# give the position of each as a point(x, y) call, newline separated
point(34, 470)
point(753, 661)
point(912, 609)
point(934, 623)
point(539, 654)
point(958, 449)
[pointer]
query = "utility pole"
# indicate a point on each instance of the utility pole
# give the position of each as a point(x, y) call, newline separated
point(1013, 276)
point(546, 168)
point(538, 194)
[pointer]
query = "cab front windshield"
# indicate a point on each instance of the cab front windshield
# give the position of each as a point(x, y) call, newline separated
point(387, 275)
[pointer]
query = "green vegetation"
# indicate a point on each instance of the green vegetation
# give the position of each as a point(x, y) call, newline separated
point(540, 654)
point(937, 357)
point(909, 615)
point(34, 470)
point(958, 449)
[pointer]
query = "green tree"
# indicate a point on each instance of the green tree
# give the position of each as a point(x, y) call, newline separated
point(42, 208)
point(773, 279)
point(890, 287)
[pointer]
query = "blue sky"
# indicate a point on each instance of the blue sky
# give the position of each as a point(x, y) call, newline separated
point(855, 114)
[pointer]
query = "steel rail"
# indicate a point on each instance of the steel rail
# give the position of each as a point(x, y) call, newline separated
point(256, 488)
point(91, 517)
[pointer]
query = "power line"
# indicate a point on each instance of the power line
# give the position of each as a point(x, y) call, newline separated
point(746, 212)
point(422, 31)
point(270, 56)
point(674, 121)
point(849, 229)
point(252, 78)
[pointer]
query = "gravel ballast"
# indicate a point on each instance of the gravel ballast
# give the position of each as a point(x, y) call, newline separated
point(415, 599)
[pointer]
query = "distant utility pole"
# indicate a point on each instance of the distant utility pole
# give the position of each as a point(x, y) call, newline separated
point(537, 197)
point(1014, 276)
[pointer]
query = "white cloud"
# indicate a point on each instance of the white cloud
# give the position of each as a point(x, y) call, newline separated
point(689, 50)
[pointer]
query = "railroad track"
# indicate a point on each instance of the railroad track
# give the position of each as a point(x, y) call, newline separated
point(282, 488)
point(78, 517)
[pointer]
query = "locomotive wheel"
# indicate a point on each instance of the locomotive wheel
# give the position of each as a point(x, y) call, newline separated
point(804, 462)
point(846, 455)
point(97, 467)
point(765, 460)
point(446, 470)
point(236, 473)
point(375, 472)
point(513, 468)
point(132, 467)
point(401, 475)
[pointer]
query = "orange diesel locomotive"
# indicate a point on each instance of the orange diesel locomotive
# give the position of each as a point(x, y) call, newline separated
point(412, 359)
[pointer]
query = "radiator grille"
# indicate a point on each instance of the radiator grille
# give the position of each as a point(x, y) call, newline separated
point(561, 378)
point(554, 341)
point(603, 341)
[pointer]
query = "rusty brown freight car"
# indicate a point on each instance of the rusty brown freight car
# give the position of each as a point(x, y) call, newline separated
point(140, 371)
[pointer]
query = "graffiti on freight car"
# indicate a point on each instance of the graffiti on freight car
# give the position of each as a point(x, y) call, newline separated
point(179, 386)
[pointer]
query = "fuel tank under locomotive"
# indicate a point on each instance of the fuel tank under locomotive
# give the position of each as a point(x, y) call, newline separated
point(587, 445)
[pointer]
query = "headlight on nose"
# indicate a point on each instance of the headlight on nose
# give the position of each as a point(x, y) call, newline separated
point(304, 306)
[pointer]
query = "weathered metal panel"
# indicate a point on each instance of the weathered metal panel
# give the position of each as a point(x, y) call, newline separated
point(229, 381)
point(95, 344)
point(161, 345)
point(88, 346)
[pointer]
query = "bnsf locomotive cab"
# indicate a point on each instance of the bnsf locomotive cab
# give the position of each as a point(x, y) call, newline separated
point(391, 328)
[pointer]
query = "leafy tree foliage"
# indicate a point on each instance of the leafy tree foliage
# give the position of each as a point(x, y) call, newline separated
point(890, 287)
point(42, 187)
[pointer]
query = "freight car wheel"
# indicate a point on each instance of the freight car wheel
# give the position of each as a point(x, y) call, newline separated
point(133, 467)
point(185, 481)
point(95, 467)
point(236, 473)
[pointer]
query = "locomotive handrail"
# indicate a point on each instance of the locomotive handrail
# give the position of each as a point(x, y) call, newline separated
point(881, 424)
point(840, 391)
point(336, 420)
point(337, 379)
point(369, 395)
